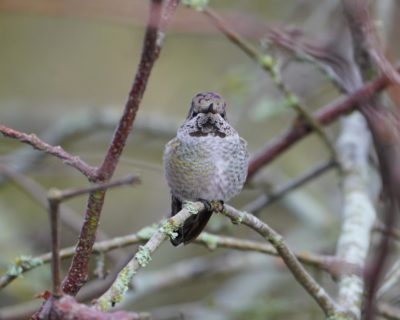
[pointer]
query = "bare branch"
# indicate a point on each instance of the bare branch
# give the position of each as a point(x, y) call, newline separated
point(363, 30)
point(67, 308)
point(270, 65)
point(152, 43)
point(323, 299)
point(55, 244)
point(117, 291)
point(325, 116)
point(280, 191)
point(35, 142)
point(62, 195)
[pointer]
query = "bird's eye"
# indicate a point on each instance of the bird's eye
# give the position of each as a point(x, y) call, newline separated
point(194, 114)
point(223, 115)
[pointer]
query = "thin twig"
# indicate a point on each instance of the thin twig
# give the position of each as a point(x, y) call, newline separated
point(392, 232)
point(388, 312)
point(35, 142)
point(325, 116)
point(323, 299)
point(360, 20)
point(392, 279)
point(117, 291)
point(270, 65)
point(68, 217)
point(62, 195)
point(280, 191)
point(211, 241)
point(55, 245)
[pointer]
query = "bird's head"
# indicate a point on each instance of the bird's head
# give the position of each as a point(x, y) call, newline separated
point(207, 103)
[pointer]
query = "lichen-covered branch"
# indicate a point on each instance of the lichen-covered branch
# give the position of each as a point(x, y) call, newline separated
point(152, 44)
point(271, 66)
point(323, 299)
point(325, 116)
point(358, 210)
point(143, 256)
point(326, 263)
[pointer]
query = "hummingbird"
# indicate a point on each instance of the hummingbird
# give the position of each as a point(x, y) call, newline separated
point(206, 161)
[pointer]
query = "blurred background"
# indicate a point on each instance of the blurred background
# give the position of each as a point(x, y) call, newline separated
point(65, 71)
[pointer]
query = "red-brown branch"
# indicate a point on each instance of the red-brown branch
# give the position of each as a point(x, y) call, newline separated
point(152, 44)
point(66, 308)
point(57, 151)
point(324, 116)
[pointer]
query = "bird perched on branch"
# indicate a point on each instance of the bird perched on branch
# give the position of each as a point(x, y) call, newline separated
point(206, 161)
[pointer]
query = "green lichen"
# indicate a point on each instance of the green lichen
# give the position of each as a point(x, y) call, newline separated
point(210, 240)
point(169, 229)
point(275, 239)
point(121, 285)
point(54, 194)
point(22, 264)
point(238, 219)
point(198, 5)
point(103, 304)
point(143, 256)
point(292, 100)
point(270, 64)
point(147, 232)
point(191, 207)
point(267, 61)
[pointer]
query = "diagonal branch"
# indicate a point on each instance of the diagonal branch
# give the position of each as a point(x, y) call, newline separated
point(35, 142)
point(325, 116)
point(323, 299)
point(152, 44)
point(280, 191)
point(118, 289)
point(270, 65)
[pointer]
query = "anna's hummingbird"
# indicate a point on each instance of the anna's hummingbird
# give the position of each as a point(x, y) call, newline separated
point(206, 161)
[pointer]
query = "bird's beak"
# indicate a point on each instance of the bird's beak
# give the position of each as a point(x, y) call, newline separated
point(211, 108)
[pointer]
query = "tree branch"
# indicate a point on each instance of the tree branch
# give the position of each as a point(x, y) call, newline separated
point(325, 116)
point(280, 191)
point(323, 299)
point(118, 289)
point(358, 210)
point(35, 142)
point(152, 44)
point(270, 65)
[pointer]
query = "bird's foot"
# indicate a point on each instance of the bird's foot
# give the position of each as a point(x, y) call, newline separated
point(213, 205)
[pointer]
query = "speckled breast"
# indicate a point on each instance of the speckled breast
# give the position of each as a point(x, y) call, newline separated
point(208, 168)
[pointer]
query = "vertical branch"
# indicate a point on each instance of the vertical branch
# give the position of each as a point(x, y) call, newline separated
point(384, 126)
point(152, 44)
point(358, 210)
point(55, 241)
point(150, 52)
